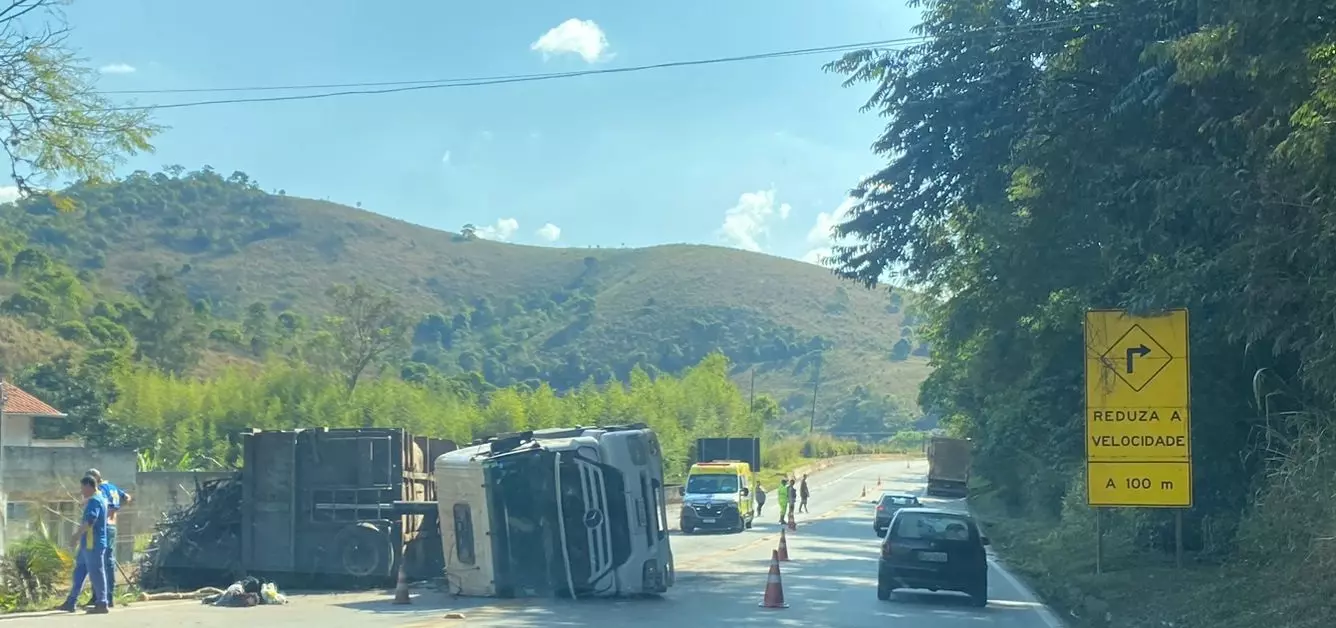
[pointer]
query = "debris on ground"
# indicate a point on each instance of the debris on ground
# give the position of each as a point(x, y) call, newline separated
point(248, 591)
point(197, 594)
point(199, 545)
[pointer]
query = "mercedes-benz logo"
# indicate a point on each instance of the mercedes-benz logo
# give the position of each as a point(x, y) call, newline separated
point(593, 518)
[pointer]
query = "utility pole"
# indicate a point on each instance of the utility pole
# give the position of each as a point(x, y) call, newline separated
point(4, 496)
point(751, 402)
point(816, 383)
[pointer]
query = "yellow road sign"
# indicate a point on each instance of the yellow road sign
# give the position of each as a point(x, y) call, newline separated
point(1137, 410)
point(1142, 484)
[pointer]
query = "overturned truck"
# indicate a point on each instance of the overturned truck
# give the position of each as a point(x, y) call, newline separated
point(311, 506)
point(569, 512)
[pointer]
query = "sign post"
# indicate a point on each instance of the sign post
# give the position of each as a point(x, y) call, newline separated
point(1138, 436)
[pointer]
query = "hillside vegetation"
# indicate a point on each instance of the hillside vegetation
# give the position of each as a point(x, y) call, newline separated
point(515, 314)
point(1049, 158)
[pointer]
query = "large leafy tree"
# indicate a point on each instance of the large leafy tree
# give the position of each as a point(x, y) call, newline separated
point(1045, 157)
point(53, 123)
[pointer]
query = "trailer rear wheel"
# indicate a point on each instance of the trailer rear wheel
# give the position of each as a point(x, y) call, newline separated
point(364, 551)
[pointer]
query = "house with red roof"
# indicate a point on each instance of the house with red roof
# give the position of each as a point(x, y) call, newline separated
point(23, 412)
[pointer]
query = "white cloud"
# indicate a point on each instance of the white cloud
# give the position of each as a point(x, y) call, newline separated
point(574, 36)
point(549, 232)
point(117, 68)
point(9, 193)
point(746, 223)
point(821, 238)
point(502, 231)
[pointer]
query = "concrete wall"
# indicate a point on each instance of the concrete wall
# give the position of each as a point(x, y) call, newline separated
point(43, 483)
point(161, 491)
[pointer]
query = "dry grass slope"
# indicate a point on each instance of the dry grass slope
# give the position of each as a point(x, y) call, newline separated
point(431, 270)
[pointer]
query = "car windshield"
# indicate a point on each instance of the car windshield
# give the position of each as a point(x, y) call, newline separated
point(712, 484)
point(931, 525)
point(898, 500)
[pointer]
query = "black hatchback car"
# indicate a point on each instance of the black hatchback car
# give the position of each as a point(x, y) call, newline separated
point(887, 506)
point(933, 549)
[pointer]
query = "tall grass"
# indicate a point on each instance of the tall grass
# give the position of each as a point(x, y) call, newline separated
point(32, 570)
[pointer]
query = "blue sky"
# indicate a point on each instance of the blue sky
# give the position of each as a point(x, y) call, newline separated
point(756, 155)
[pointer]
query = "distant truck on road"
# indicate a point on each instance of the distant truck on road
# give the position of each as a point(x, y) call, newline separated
point(948, 466)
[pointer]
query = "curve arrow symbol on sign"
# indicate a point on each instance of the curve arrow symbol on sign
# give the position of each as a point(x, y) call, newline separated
point(1140, 351)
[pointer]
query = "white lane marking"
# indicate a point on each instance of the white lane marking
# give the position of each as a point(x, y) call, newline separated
point(854, 472)
point(1045, 613)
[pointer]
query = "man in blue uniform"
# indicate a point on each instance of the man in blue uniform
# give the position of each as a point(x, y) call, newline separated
point(91, 543)
point(116, 500)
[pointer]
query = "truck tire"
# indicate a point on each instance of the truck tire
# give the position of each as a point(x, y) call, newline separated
point(364, 551)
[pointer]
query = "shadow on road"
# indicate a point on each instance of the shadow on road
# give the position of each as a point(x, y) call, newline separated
point(830, 581)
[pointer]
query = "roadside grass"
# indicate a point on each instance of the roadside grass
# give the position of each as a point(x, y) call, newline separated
point(1144, 589)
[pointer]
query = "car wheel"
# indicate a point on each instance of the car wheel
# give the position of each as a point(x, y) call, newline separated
point(883, 590)
point(687, 530)
point(979, 593)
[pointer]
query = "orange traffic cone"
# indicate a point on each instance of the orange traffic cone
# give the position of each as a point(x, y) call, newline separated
point(783, 551)
point(879, 480)
point(401, 587)
point(864, 491)
point(793, 525)
point(774, 586)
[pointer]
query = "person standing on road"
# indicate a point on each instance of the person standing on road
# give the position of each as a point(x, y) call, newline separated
point(803, 494)
point(760, 498)
point(792, 499)
point(783, 499)
point(90, 543)
point(116, 500)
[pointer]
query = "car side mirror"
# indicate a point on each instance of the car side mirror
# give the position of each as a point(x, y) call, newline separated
point(682, 491)
point(745, 491)
point(985, 540)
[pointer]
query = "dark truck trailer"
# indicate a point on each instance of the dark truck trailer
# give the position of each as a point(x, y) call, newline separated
point(340, 504)
point(746, 450)
point(948, 466)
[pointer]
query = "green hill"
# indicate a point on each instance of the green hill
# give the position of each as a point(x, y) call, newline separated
point(515, 313)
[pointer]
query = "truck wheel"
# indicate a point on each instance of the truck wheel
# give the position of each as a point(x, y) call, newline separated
point(364, 551)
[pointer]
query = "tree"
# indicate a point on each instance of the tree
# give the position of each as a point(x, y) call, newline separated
point(169, 332)
point(469, 231)
point(369, 328)
point(1046, 158)
point(53, 123)
point(257, 326)
point(900, 352)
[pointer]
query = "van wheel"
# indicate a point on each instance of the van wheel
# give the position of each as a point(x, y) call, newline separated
point(883, 590)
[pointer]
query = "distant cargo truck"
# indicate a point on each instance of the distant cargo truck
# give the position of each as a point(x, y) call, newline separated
point(948, 466)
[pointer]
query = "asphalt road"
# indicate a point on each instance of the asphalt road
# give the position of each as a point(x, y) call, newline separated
point(830, 581)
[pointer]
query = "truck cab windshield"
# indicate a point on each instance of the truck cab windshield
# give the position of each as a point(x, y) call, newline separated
point(712, 484)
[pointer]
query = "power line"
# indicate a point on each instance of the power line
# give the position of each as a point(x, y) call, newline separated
point(393, 87)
